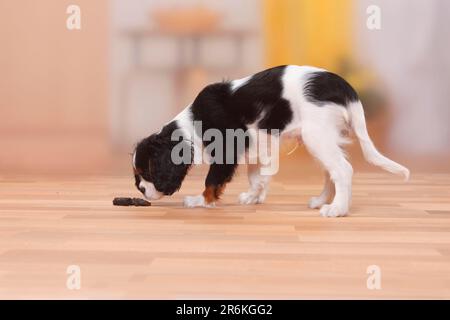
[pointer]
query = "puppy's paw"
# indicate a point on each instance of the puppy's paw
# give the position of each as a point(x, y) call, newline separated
point(251, 198)
point(316, 202)
point(332, 210)
point(197, 201)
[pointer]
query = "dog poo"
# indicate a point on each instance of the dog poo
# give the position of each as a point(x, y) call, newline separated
point(131, 202)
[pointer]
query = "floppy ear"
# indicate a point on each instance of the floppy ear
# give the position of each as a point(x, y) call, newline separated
point(167, 176)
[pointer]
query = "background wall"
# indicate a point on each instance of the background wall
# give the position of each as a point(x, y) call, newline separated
point(153, 90)
point(62, 105)
point(410, 54)
point(53, 87)
point(295, 36)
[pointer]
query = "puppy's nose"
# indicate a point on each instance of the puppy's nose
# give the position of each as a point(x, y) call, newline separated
point(142, 189)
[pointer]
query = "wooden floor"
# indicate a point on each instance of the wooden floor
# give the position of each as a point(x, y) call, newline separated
point(280, 249)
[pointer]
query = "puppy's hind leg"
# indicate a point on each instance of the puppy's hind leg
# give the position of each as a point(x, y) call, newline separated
point(326, 195)
point(325, 146)
point(258, 186)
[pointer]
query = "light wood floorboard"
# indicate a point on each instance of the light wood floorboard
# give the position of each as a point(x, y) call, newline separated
point(280, 249)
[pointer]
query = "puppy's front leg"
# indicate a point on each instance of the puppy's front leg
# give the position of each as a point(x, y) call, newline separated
point(197, 201)
point(207, 199)
point(218, 176)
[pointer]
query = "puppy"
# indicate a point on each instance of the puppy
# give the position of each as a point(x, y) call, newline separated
point(312, 104)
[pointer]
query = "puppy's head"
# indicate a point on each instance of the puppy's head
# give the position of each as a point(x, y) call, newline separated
point(155, 174)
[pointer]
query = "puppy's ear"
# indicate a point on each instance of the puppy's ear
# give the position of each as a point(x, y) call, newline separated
point(150, 144)
point(142, 153)
point(167, 175)
point(155, 141)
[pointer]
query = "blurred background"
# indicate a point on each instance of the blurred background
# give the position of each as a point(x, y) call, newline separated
point(77, 101)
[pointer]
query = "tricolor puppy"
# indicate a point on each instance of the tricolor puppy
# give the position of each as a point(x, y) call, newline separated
point(312, 104)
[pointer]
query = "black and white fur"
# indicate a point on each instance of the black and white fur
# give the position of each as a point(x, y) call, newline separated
point(310, 103)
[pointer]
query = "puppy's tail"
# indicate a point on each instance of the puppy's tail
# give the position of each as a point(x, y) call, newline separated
point(371, 154)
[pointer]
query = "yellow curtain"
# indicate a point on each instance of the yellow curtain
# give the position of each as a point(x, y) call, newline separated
point(308, 32)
